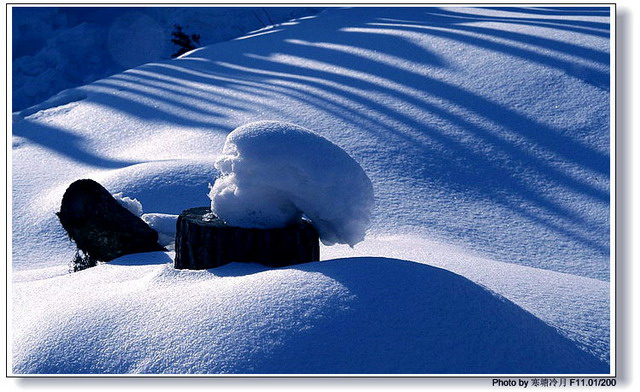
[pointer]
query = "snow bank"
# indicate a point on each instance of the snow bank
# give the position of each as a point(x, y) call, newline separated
point(273, 173)
point(585, 302)
point(344, 316)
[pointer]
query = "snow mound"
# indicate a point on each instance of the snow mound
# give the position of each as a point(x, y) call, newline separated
point(344, 316)
point(167, 187)
point(273, 173)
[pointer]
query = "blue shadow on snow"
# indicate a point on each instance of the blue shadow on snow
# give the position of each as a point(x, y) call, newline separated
point(411, 318)
point(64, 143)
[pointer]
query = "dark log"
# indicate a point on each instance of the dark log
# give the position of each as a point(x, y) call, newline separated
point(101, 227)
point(204, 241)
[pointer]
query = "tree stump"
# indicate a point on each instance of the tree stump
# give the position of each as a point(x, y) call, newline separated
point(101, 227)
point(203, 241)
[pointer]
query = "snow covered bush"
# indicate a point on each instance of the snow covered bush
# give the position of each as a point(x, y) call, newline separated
point(275, 173)
point(185, 41)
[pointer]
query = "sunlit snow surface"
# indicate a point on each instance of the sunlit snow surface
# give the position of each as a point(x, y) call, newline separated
point(485, 133)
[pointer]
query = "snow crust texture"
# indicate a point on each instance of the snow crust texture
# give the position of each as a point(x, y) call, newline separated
point(273, 173)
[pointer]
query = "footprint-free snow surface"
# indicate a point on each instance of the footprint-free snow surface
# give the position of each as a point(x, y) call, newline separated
point(484, 131)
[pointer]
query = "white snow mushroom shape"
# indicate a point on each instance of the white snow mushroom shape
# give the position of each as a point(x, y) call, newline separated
point(274, 173)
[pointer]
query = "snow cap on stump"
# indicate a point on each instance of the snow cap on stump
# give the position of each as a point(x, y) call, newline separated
point(274, 173)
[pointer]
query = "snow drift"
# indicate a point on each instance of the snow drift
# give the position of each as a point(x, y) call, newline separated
point(345, 316)
point(273, 173)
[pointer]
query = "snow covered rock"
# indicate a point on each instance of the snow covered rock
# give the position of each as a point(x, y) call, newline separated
point(100, 226)
point(273, 173)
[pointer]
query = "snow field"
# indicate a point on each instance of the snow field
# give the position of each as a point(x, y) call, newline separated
point(484, 131)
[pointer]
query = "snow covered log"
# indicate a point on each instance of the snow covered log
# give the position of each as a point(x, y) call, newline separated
point(100, 226)
point(204, 241)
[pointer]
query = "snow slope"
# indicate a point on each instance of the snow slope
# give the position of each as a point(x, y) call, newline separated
point(485, 132)
point(338, 316)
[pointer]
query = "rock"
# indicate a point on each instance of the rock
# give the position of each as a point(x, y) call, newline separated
point(100, 226)
point(204, 241)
